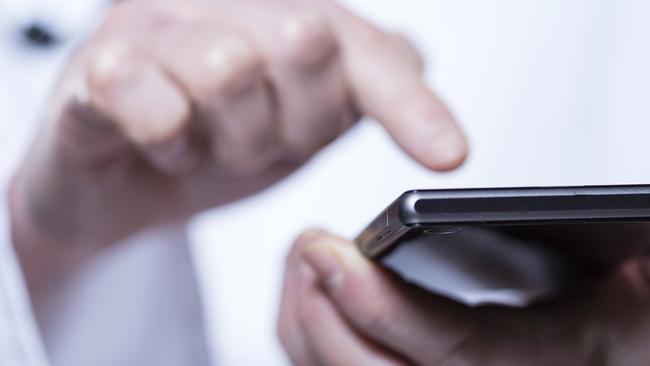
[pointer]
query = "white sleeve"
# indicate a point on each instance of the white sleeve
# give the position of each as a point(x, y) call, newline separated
point(20, 344)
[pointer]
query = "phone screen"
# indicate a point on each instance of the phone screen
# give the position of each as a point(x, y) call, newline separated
point(513, 264)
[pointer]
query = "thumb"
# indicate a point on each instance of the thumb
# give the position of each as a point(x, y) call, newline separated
point(399, 317)
point(385, 76)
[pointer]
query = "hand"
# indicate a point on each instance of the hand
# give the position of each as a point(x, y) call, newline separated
point(338, 308)
point(177, 106)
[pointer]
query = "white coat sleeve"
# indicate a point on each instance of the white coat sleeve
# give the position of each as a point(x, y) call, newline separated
point(20, 344)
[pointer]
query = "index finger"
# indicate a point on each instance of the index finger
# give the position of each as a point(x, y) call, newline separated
point(385, 77)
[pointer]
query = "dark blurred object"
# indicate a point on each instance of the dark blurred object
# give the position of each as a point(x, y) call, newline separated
point(39, 35)
point(595, 246)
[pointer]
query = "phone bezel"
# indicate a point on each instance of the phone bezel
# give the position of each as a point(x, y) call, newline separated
point(505, 206)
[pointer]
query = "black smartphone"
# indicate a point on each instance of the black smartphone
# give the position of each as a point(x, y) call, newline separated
point(565, 231)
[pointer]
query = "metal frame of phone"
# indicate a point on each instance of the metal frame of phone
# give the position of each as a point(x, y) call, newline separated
point(446, 208)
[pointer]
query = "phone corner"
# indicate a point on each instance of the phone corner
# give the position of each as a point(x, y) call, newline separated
point(406, 207)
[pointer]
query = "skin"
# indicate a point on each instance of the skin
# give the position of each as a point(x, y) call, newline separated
point(338, 308)
point(178, 106)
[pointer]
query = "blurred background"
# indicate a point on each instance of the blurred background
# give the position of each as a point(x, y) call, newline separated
point(550, 93)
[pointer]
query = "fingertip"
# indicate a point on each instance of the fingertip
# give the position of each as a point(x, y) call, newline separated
point(438, 146)
point(424, 128)
point(333, 259)
point(309, 236)
point(444, 151)
point(428, 132)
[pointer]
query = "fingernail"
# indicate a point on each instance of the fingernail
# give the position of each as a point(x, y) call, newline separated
point(327, 266)
point(175, 156)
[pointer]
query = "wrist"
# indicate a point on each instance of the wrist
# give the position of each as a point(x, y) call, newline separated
point(43, 256)
point(28, 229)
point(41, 219)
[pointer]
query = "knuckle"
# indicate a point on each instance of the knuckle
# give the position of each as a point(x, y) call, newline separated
point(115, 72)
point(383, 43)
point(231, 66)
point(307, 39)
point(106, 67)
point(408, 49)
point(374, 37)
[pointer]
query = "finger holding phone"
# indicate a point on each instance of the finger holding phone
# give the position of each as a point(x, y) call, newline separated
point(339, 308)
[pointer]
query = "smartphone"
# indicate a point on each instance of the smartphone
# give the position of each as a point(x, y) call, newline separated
point(540, 239)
